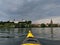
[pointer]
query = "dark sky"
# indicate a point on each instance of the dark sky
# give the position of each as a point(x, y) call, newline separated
point(29, 9)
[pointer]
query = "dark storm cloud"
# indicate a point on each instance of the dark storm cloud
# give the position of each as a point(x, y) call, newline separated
point(29, 9)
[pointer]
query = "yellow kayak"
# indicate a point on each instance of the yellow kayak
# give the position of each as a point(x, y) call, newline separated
point(30, 40)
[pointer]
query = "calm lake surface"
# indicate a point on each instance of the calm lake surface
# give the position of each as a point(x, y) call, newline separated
point(15, 36)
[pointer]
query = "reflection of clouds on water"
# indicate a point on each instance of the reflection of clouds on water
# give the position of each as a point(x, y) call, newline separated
point(38, 32)
point(46, 33)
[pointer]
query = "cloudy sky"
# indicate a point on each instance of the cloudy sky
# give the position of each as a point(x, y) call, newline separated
point(34, 10)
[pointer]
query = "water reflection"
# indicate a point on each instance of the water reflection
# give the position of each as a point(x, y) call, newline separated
point(52, 36)
point(14, 36)
point(13, 31)
point(47, 33)
point(38, 32)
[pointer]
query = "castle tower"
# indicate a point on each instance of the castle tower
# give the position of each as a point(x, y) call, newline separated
point(51, 22)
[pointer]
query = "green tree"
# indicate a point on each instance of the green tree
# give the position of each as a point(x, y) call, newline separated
point(43, 25)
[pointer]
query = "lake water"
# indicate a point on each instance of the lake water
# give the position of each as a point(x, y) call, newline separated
point(46, 33)
point(15, 36)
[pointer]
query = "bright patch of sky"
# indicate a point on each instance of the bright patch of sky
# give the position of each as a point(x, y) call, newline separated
point(48, 20)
